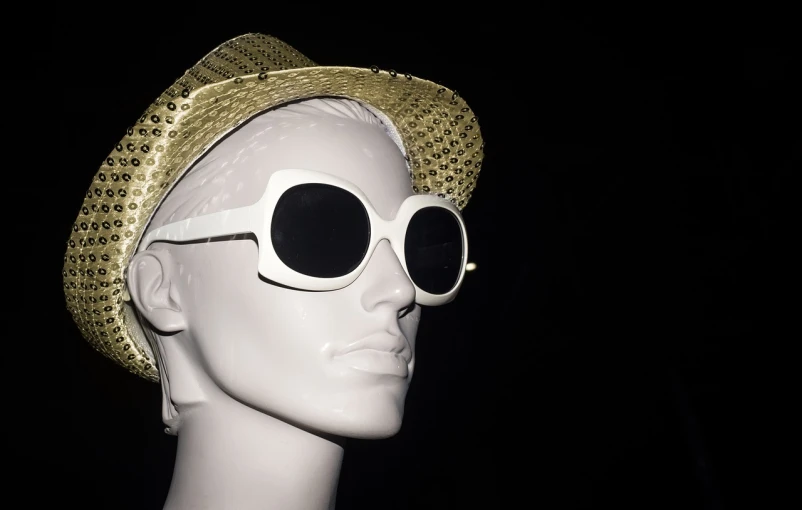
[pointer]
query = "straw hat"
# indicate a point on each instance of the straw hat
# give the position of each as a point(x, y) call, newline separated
point(234, 82)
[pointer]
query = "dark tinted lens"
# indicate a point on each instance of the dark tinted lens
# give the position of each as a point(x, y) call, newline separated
point(320, 230)
point(433, 249)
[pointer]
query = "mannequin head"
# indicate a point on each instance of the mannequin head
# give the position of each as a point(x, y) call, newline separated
point(223, 335)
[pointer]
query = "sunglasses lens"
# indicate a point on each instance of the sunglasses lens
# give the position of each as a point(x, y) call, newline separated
point(320, 230)
point(433, 249)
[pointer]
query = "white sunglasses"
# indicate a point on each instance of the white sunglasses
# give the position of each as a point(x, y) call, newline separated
point(317, 232)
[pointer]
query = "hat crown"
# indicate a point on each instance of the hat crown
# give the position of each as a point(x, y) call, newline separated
point(242, 56)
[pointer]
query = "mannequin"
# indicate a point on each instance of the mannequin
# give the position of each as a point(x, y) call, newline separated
point(261, 247)
point(253, 384)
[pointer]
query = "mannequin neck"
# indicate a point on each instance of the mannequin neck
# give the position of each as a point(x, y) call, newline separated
point(232, 456)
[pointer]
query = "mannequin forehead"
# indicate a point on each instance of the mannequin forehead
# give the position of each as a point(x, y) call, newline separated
point(236, 172)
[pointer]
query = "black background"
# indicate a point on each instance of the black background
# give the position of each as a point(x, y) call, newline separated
point(621, 342)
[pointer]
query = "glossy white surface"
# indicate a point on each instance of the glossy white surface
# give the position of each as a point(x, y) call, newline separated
point(261, 381)
point(256, 220)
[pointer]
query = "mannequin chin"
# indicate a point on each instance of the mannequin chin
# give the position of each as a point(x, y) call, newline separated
point(258, 372)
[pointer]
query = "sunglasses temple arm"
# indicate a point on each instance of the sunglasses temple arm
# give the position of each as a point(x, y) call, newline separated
point(223, 223)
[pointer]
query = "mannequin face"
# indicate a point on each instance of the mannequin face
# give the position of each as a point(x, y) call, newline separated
point(278, 349)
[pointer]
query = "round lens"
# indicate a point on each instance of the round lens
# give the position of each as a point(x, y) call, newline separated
point(320, 230)
point(433, 249)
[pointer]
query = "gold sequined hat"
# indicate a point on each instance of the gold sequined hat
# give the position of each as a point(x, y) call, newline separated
point(236, 81)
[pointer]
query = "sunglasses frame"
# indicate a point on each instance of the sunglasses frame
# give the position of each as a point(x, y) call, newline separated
point(256, 219)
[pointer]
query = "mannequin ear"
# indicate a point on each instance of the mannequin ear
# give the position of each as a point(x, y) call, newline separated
point(152, 286)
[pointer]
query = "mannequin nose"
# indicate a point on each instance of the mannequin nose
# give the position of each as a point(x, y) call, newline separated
point(384, 281)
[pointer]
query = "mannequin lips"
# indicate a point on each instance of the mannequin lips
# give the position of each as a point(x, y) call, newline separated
point(380, 353)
